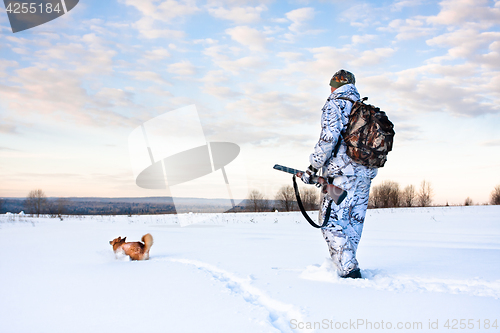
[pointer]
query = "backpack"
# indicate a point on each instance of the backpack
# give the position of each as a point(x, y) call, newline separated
point(368, 135)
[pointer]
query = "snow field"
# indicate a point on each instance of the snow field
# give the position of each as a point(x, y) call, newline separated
point(266, 272)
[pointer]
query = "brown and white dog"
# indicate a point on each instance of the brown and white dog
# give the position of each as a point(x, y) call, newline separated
point(135, 250)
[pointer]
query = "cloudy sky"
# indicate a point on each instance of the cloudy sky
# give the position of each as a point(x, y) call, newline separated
point(74, 89)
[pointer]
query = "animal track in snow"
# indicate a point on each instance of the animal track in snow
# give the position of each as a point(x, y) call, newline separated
point(280, 313)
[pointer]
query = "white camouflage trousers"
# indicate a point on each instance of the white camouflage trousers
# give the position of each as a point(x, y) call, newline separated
point(343, 231)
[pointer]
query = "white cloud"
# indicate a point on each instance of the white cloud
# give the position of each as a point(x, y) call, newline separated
point(226, 58)
point(272, 30)
point(206, 41)
point(467, 44)
point(491, 143)
point(223, 92)
point(157, 90)
point(239, 15)
point(494, 84)
point(98, 26)
point(155, 14)
point(8, 128)
point(274, 114)
point(457, 12)
point(492, 58)
point(279, 20)
point(457, 90)
point(461, 82)
point(163, 10)
point(249, 37)
point(183, 68)
point(372, 57)
point(290, 56)
point(241, 64)
point(363, 15)
point(214, 51)
point(318, 66)
point(236, 3)
point(299, 26)
point(362, 39)
point(159, 53)
point(146, 27)
point(58, 96)
point(299, 17)
point(400, 4)
point(6, 64)
point(218, 84)
point(63, 51)
point(148, 76)
point(118, 25)
point(215, 76)
point(88, 54)
point(22, 51)
point(108, 97)
point(327, 60)
point(408, 29)
point(18, 40)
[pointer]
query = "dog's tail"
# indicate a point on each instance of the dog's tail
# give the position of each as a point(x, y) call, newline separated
point(147, 239)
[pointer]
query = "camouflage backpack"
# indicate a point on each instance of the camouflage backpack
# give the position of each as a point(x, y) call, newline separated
point(368, 135)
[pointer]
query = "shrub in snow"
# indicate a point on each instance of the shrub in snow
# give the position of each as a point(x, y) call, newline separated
point(495, 196)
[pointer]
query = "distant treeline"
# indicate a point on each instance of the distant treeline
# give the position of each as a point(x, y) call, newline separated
point(92, 206)
point(115, 206)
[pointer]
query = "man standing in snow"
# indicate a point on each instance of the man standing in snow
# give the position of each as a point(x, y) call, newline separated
point(345, 223)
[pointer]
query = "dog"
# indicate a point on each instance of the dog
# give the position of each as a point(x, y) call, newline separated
point(135, 250)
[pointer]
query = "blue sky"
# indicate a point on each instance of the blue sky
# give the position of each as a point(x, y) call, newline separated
point(73, 89)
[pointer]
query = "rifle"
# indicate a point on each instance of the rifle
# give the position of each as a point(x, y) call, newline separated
point(336, 193)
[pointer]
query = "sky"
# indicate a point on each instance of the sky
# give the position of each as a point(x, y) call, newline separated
point(74, 89)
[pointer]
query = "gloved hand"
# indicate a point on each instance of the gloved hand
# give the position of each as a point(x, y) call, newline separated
point(309, 174)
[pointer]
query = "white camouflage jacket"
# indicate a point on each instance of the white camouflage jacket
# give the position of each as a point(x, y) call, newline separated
point(334, 118)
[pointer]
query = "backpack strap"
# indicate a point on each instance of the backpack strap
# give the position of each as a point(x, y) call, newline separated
point(337, 146)
point(364, 99)
point(347, 99)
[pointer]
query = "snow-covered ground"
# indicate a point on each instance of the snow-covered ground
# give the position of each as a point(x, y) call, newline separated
point(266, 272)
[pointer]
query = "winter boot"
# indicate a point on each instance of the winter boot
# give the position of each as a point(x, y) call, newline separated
point(354, 274)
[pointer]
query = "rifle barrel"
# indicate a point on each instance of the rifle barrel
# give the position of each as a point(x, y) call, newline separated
point(286, 169)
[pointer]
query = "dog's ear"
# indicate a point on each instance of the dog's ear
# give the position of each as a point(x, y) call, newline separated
point(123, 239)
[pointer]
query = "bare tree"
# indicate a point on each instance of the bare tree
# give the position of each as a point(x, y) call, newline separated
point(393, 194)
point(61, 204)
point(408, 196)
point(286, 197)
point(468, 202)
point(495, 195)
point(56, 208)
point(375, 199)
point(35, 202)
point(256, 201)
point(385, 195)
point(425, 194)
point(309, 197)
